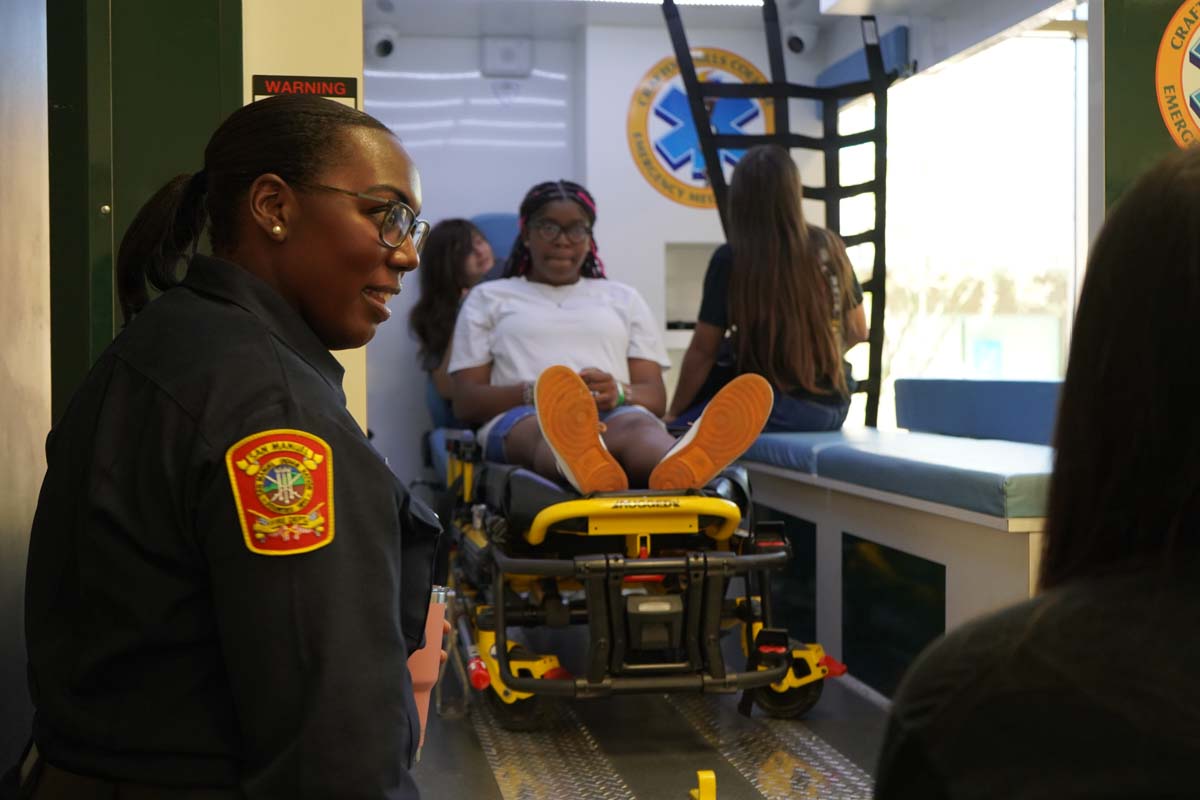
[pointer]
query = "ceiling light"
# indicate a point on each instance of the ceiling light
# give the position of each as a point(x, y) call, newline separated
point(752, 3)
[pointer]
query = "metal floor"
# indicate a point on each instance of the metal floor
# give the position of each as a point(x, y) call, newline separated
point(649, 747)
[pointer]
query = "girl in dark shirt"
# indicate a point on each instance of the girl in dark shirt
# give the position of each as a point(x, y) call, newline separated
point(780, 300)
point(1089, 689)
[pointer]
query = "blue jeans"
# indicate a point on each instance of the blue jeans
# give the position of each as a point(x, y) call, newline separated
point(801, 414)
point(789, 414)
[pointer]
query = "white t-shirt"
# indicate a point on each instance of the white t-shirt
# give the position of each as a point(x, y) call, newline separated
point(521, 327)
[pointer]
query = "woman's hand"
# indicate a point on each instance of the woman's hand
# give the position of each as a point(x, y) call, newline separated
point(603, 387)
point(445, 633)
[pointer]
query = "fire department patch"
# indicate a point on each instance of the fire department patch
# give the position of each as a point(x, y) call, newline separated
point(283, 486)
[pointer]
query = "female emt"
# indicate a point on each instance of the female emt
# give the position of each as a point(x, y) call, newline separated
point(225, 580)
point(786, 292)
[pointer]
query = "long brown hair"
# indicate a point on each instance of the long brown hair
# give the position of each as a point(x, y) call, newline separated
point(779, 296)
point(443, 279)
point(1126, 483)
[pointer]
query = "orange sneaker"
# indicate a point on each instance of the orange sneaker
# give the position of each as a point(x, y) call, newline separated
point(730, 423)
point(570, 423)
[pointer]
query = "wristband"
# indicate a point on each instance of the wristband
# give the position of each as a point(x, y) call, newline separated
point(527, 393)
point(620, 393)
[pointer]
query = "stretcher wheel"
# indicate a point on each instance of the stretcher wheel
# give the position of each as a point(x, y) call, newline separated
point(526, 714)
point(791, 703)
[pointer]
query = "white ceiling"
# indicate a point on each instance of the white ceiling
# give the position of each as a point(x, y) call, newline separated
point(558, 19)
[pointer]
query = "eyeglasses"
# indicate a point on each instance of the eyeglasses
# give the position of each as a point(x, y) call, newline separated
point(397, 223)
point(548, 231)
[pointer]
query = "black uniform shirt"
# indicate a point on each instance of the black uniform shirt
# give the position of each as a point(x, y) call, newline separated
point(1085, 691)
point(163, 649)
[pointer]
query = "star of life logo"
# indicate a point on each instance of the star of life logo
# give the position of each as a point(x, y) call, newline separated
point(664, 141)
point(1177, 74)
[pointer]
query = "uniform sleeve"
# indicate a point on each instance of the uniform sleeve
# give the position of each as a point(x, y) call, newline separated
point(316, 642)
point(645, 341)
point(473, 333)
point(714, 304)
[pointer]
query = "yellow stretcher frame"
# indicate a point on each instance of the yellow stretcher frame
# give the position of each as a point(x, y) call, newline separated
point(811, 654)
point(538, 667)
point(627, 515)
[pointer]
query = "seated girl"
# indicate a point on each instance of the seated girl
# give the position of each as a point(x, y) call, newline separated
point(456, 257)
point(780, 300)
point(563, 368)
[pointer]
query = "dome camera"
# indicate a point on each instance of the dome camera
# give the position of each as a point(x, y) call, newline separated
point(380, 42)
point(800, 39)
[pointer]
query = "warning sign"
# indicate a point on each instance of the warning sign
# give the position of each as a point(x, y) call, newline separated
point(344, 90)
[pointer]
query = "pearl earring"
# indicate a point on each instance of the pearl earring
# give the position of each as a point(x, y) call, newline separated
point(277, 231)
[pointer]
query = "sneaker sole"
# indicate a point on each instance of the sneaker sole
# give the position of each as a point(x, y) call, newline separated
point(569, 421)
point(730, 423)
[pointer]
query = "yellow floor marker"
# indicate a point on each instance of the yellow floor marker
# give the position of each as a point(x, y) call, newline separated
point(707, 788)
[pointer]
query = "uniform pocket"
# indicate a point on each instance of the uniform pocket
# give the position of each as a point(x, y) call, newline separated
point(420, 530)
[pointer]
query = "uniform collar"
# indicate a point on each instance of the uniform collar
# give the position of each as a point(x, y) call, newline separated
point(228, 281)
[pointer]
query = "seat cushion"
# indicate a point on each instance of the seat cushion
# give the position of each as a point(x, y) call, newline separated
point(998, 478)
point(799, 451)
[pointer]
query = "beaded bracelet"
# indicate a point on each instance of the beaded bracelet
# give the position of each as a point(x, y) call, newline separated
point(527, 393)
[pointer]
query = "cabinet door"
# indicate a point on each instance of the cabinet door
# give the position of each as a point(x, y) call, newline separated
point(136, 87)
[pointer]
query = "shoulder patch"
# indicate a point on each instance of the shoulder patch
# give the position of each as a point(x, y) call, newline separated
point(282, 483)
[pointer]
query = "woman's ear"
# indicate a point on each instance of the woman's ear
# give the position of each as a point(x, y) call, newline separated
point(272, 205)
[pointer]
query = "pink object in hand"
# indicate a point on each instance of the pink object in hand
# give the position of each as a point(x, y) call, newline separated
point(424, 664)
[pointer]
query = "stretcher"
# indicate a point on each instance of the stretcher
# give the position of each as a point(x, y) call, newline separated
point(656, 579)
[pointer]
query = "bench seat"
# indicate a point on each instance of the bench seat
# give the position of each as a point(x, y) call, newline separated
point(988, 476)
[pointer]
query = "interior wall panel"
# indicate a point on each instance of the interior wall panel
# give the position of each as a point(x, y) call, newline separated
point(24, 334)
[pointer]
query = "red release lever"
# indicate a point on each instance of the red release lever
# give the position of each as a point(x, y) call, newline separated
point(836, 668)
point(478, 675)
point(772, 648)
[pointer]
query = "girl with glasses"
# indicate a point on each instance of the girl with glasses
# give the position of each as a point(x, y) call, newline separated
point(202, 593)
point(562, 368)
point(780, 300)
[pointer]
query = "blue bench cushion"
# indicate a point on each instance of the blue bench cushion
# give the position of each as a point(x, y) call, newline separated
point(998, 478)
point(1016, 411)
point(799, 451)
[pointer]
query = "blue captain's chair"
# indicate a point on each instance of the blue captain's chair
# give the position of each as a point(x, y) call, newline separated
point(500, 230)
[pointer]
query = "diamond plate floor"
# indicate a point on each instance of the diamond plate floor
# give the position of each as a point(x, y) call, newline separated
point(649, 747)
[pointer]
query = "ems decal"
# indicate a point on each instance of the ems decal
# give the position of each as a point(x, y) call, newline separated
point(663, 140)
point(1177, 73)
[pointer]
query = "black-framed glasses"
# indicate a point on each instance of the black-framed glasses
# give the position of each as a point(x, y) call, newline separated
point(397, 223)
point(548, 231)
